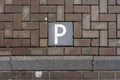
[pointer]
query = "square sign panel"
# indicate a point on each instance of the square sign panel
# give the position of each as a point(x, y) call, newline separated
point(60, 34)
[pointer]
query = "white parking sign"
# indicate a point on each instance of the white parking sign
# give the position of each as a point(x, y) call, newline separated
point(60, 34)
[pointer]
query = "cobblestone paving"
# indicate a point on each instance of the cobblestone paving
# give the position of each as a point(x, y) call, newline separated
point(96, 34)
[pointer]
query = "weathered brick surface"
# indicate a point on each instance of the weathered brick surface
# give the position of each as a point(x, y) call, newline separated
point(24, 32)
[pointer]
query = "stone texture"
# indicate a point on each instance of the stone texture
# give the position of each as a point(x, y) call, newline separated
point(51, 63)
point(103, 6)
point(107, 51)
point(106, 63)
point(94, 13)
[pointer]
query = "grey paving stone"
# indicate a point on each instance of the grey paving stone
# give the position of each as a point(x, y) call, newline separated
point(5, 63)
point(106, 63)
point(52, 63)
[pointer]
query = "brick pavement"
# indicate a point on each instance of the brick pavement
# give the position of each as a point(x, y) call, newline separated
point(24, 31)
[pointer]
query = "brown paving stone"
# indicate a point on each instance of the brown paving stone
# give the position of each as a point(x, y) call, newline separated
point(35, 38)
point(107, 17)
point(43, 30)
point(21, 2)
point(8, 30)
point(106, 75)
point(72, 51)
point(13, 9)
point(69, 6)
point(55, 51)
point(82, 9)
point(55, 1)
point(43, 42)
point(20, 51)
point(12, 42)
point(5, 51)
point(81, 42)
point(77, 30)
point(107, 51)
point(72, 17)
point(34, 6)
point(90, 51)
point(38, 51)
point(47, 9)
point(57, 75)
point(90, 75)
point(73, 75)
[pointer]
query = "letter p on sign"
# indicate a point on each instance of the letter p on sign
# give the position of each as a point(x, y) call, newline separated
point(60, 34)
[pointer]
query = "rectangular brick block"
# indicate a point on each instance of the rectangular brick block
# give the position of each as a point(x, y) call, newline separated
point(17, 21)
point(38, 51)
point(13, 9)
point(6, 17)
point(12, 42)
point(90, 75)
point(5, 52)
point(72, 17)
point(77, 29)
point(69, 6)
point(21, 34)
point(81, 9)
point(35, 38)
point(8, 30)
point(9, 2)
point(55, 51)
point(38, 17)
point(111, 2)
point(2, 26)
point(30, 25)
point(90, 2)
point(43, 1)
point(43, 30)
point(90, 34)
point(118, 21)
point(114, 9)
point(118, 51)
point(94, 13)
point(57, 75)
point(86, 21)
point(47, 9)
point(72, 51)
point(34, 6)
point(26, 13)
point(73, 75)
point(1, 6)
point(81, 42)
point(112, 30)
point(99, 25)
point(107, 17)
point(1, 38)
point(106, 75)
point(103, 38)
point(107, 51)
point(22, 2)
point(114, 42)
point(103, 6)
point(77, 1)
point(20, 51)
point(90, 51)
point(60, 13)
point(56, 2)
